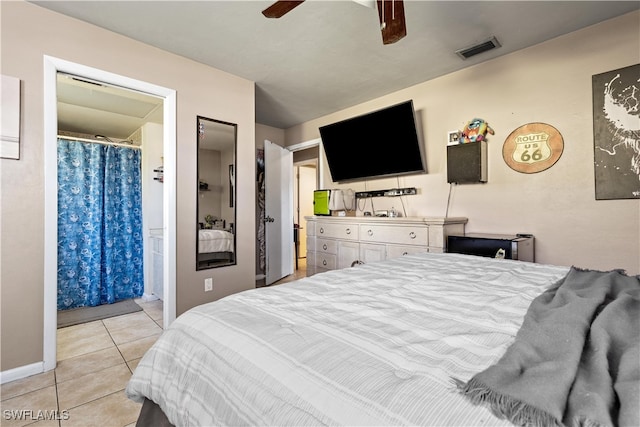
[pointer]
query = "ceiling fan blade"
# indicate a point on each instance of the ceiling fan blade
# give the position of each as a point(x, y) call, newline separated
point(392, 23)
point(279, 8)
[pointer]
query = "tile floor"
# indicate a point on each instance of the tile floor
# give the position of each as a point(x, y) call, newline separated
point(95, 362)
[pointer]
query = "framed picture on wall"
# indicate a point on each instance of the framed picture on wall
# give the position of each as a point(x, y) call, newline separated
point(453, 137)
point(616, 133)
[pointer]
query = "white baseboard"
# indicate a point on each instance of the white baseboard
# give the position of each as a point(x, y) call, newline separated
point(21, 372)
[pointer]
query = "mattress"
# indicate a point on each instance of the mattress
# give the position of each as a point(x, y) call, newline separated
point(376, 344)
point(214, 241)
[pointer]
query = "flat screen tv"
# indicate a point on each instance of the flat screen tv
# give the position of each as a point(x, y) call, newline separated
point(379, 144)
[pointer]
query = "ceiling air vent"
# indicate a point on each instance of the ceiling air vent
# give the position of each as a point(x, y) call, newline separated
point(492, 43)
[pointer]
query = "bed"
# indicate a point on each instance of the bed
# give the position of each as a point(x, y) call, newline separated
point(214, 245)
point(387, 343)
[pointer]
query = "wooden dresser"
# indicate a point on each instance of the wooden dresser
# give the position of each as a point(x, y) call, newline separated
point(339, 242)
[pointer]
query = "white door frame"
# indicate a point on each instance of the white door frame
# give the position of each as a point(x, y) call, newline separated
point(51, 68)
point(319, 164)
point(303, 180)
point(321, 159)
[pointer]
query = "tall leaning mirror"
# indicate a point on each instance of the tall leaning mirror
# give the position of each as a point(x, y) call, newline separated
point(216, 241)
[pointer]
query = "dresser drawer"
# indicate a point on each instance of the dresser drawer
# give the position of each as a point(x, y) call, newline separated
point(337, 231)
point(403, 235)
point(326, 246)
point(324, 261)
point(396, 251)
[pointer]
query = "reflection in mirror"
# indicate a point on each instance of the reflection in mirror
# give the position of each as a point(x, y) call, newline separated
point(216, 243)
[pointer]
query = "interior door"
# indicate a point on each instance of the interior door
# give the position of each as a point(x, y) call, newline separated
point(278, 181)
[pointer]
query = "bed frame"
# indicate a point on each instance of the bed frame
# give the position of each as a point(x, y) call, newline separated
point(209, 257)
point(152, 415)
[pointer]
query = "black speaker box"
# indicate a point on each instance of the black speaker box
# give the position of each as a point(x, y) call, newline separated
point(467, 163)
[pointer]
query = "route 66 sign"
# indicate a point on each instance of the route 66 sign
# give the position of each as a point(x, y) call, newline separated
point(532, 148)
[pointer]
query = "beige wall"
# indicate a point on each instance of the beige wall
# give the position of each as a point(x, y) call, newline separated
point(549, 83)
point(28, 33)
point(152, 154)
point(269, 133)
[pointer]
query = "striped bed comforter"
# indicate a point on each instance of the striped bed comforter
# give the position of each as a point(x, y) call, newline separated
point(375, 344)
point(214, 241)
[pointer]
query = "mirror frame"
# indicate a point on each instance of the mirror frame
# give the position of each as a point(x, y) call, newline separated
point(230, 201)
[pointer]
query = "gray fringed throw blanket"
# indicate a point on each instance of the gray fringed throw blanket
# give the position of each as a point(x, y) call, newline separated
point(575, 360)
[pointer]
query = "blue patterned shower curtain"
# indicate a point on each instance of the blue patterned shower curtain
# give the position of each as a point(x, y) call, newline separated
point(100, 257)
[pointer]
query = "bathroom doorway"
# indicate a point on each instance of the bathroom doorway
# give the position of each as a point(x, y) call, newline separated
point(53, 67)
point(105, 225)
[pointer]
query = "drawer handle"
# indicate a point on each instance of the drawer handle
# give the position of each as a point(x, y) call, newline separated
point(321, 230)
point(348, 231)
point(405, 253)
point(412, 235)
point(370, 232)
point(356, 262)
point(324, 262)
point(324, 246)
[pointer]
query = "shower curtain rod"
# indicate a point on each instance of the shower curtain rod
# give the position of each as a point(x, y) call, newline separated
point(99, 141)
